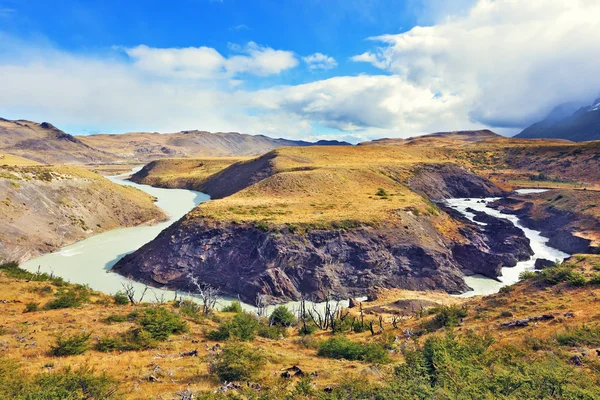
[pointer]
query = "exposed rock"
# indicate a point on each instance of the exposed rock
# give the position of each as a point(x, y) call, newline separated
point(576, 360)
point(191, 353)
point(445, 181)
point(542, 263)
point(526, 321)
point(352, 303)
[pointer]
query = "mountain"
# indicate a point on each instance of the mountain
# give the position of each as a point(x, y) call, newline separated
point(47, 144)
point(440, 139)
point(562, 123)
point(150, 146)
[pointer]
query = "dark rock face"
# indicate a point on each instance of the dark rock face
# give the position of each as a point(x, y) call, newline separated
point(501, 245)
point(279, 265)
point(542, 263)
point(445, 181)
point(555, 226)
point(245, 261)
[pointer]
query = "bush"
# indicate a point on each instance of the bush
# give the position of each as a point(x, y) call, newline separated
point(234, 307)
point(237, 362)
point(71, 345)
point(562, 273)
point(308, 330)
point(243, 327)
point(272, 331)
point(116, 318)
point(31, 307)
point(342, 347)
point(281, 316)
point(13, 270)
point(595, 279)
point(159, 322)
point(381, 192)
point(121, 299)
point(446, 316)
point(189, 308)
point(525, 275)
point(69, 298)
point(580, 336)
point(73, 384)
point(133, 340)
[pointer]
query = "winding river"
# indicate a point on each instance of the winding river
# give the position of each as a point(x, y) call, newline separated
point(89, 261)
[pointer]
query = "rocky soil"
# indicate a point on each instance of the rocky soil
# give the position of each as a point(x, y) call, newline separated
point(45, 208)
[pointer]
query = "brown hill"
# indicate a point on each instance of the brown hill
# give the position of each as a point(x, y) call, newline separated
point(150, 146)
point(47, 144)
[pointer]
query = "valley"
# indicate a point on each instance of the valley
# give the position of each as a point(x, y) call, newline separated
point(401, 237)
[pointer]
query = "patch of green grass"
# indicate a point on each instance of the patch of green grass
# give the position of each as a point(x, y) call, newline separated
point(159, 322)
point(445, 316)
point(243, 327)
point(12, 270)
point(70, 297)
point(234, 307)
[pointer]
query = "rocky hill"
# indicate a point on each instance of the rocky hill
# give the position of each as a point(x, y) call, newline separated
point(45, 208)
point(47, 144)
point(338, 220)
point(578, 126)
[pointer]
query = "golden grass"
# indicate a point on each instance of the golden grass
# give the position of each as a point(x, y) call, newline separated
point(12, 160)
point(320, 185)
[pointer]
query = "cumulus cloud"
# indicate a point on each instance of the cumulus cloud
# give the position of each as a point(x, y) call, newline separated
point(503, 64)
point(320, 61)
point(206, 62)
point(512, 61)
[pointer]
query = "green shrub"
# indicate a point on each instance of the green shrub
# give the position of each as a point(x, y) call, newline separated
point(272, 331)
point(189, 308)
point(580, 336)
point(120, 299)
point(342, 347)
point(31, 307)
point(381, 192)
point(159, 322)
point(309, 329)
point(281, 316)
point(234, 307)
point(71, 345)
point(562, 273)
point(13, 270)
point(525, 275)
point(69, 298)
point(116, 318)
point(446, 316)
point(73, 384)
point(108, 344)
point(595, 279)
point(507, 289)
point(237, 362)
point(243, 327)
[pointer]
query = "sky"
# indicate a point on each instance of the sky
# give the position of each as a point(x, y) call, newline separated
point(351, 70)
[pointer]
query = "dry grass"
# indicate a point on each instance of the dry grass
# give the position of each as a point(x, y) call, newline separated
point(27, 337)
point(12, 160)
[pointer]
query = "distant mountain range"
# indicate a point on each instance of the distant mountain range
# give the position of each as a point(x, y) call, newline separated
point(567, 122)
point(47, 144)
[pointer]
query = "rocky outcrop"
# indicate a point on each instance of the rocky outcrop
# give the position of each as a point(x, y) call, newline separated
point(279, 265)
point(448, 180)
point(556, 224)
point(497, 244)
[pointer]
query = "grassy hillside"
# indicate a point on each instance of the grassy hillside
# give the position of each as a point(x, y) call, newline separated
point(182, 173)
point(423, 345)
point(44, 208)
point(12, 160)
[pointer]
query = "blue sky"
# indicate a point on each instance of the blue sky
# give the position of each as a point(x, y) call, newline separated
point(353, 69)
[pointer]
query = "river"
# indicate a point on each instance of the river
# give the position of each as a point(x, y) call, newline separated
point(89, 261)
point(482, 285)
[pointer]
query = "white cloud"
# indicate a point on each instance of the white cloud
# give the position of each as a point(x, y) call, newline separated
point(502, 64)
point(320, 61)
point(206, 62)
point(512, 61)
